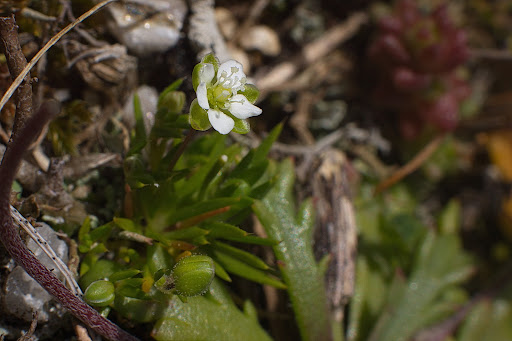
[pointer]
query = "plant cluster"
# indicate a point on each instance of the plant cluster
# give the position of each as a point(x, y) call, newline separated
point(416, 56)
point(184, 201)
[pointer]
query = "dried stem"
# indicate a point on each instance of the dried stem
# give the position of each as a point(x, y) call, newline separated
point(16, 62)
point(412, 165)
point(49, 44)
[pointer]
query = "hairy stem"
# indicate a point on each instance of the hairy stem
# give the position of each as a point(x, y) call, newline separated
point(17, 249)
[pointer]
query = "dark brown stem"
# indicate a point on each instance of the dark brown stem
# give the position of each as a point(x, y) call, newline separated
point(16, 62)
point(17, 249)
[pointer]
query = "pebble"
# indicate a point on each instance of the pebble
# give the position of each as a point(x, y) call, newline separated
point(147, 27)
point(23, 294)
point(263, 39)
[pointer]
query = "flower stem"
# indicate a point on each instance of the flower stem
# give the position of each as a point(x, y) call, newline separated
point(191, 133)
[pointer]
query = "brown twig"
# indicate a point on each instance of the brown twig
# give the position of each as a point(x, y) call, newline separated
point(33, 325)
point(19, 79)
point(311, 52)
point(16, 62)
point(412, 165)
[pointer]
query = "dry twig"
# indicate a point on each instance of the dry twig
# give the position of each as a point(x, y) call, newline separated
point(412, 165)
point(17, 63)
point(311, 52)
point(19, 79)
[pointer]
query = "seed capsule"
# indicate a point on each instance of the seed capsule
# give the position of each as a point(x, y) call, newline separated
point(193, 275)
point(100, 293)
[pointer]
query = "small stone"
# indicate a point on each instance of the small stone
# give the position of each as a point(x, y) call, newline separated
point(148, 97)
point(153, 26)
point(263, 39)
point(226, 22)
point(23, 294)
point(241, 56)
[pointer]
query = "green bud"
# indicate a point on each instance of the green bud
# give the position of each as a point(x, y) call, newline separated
point(198, 117)
point(193, 275)
point(173, 101)
point(100, 293)
point(134, 165)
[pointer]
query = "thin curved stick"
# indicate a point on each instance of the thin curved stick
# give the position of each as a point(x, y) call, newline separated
point(8, 94)
point(23, 223)
point(411, 166)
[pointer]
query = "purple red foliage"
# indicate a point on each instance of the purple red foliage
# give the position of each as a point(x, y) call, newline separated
point(415, 56)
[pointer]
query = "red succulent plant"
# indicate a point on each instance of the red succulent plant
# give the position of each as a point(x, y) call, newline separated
point(416, 56)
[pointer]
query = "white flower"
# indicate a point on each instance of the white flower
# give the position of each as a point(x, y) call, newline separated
point(217, 93)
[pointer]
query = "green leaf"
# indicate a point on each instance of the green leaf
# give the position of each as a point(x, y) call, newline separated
point(251, 92)
point(225, 231)
point(208, 59)
point(211, 59)
point(139, 139)
point(123, 274)
point(127, 224)
point(198, 117)
point(187, 234)
point(441, 264)
point(241, 126)
point(210, 317)
point(221, 272)
point(242, 269)
point(212, 145)
point(488, 320)
point(158, 258)
point(84, 240)
point(450, 218)
point(131, 287)
point(369, 297)
point(261, 152)
point(168, 127)
point(295, 252)
point(241, 255)
point(139, 310)
point(101, 232)
point(100, 270)
point(163, 97)
point(207, 206)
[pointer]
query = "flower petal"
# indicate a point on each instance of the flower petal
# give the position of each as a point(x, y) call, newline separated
point(206, 73)
point(241, 108)
point(233, 71)
point(220, 121)
point(202, 96)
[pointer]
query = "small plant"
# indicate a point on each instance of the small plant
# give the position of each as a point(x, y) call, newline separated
point(224, 98)
point(184, 200)
point(416, 56)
